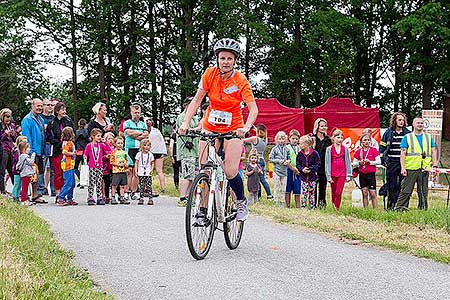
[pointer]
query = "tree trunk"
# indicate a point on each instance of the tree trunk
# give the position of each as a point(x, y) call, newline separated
point(247, 44)
point(123, 56)
point(427, 83)
point(76, 113)
point(187, 62)
point(358, 76)
point(298, 68)
point(109, 68)
point(133, 38)
point(205, 50)
point(399, 95)
point(446, 127)
point(101, 63)
point(409, 101)
point(163, 88)
point(153, 75)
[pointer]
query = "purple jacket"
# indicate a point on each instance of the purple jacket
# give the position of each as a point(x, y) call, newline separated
point(312, 161)
point(9, 140)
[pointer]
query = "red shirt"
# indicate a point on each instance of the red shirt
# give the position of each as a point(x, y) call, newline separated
point(371, 154)
point(337, 162)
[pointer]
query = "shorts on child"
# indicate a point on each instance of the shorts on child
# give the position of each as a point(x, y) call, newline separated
point(189, 168)
point(367, 180)
point(293, 183)
point(119, 179)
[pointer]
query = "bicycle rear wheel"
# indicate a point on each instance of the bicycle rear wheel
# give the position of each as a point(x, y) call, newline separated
point(232, 229)
point(199, 239)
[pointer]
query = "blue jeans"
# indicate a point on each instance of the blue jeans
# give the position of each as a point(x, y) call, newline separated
point(262, 177)
point(69, 185)
point(41, 184)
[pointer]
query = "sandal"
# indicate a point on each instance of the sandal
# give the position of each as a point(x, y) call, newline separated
point(38, 200)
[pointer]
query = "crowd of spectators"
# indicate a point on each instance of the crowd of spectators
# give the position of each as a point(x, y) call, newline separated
point(46, 151)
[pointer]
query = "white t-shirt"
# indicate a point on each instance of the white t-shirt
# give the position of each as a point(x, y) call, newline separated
point(158, 143)
point(143, 162)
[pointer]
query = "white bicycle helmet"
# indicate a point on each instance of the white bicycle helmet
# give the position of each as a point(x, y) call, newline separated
point(227, 44)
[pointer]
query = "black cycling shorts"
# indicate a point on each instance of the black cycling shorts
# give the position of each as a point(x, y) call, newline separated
point(368, 180)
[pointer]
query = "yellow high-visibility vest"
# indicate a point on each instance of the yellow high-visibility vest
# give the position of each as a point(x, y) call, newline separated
point(414, 159)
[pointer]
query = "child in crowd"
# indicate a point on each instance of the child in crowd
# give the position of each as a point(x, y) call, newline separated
point(68, 167)
point(119, 162)
point(25, 166)
point(107, 168)
point(373, 142)
point(253, 171)
point(144, 169)
point(17, 181)
point(337, 167)
point(94, 153)
point(308, 163)
point(81, 140)
point(259, 142)
point(279, 156)
point(241, 163)
point(366, 158)
point(293, 179)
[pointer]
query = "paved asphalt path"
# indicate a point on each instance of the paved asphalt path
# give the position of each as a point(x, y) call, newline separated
point(140, 252)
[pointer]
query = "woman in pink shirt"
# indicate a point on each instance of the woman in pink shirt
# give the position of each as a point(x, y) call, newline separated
point(337, 167)
point(366, 158)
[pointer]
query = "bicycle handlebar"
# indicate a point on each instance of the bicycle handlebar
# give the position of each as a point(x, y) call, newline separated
point(212, 135)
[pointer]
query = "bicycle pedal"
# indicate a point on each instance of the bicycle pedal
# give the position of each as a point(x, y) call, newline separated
point(206, 223)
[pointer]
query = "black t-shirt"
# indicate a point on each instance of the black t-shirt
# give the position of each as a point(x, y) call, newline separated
point(94, 124)
point(321, 147)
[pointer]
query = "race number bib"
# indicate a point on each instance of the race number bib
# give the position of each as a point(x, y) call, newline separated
point(218, 117)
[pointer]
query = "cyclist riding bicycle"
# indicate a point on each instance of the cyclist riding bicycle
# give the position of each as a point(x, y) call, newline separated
point(226, 89)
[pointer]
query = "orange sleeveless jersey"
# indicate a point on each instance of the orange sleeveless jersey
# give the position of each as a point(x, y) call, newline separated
point(226, 95)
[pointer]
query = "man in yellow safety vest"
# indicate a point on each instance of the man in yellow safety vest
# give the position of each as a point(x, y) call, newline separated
point(418, 154)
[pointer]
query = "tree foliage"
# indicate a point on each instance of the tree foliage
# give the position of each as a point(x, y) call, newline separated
point(392, 54)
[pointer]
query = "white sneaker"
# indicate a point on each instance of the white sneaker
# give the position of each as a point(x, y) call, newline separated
point(242, 210)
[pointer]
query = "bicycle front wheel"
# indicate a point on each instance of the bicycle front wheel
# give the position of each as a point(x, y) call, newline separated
point(232, 229)
point(199, 238)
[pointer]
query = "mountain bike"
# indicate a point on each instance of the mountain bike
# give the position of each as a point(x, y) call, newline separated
point(211, 186)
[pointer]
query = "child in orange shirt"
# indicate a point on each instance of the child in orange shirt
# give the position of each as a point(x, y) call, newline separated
point(68, 167)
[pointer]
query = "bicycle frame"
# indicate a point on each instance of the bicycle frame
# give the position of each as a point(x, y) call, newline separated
point(218, 185)
point(221, 206)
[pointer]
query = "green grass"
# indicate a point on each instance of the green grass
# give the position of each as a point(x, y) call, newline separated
point(423, 234)
point(438, 218)
point(33, 265)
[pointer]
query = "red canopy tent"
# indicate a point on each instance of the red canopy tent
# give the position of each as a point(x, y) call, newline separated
point(342, 113)
point(277, 117)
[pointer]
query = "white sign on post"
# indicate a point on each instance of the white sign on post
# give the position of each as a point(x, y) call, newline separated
point(432, 123)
